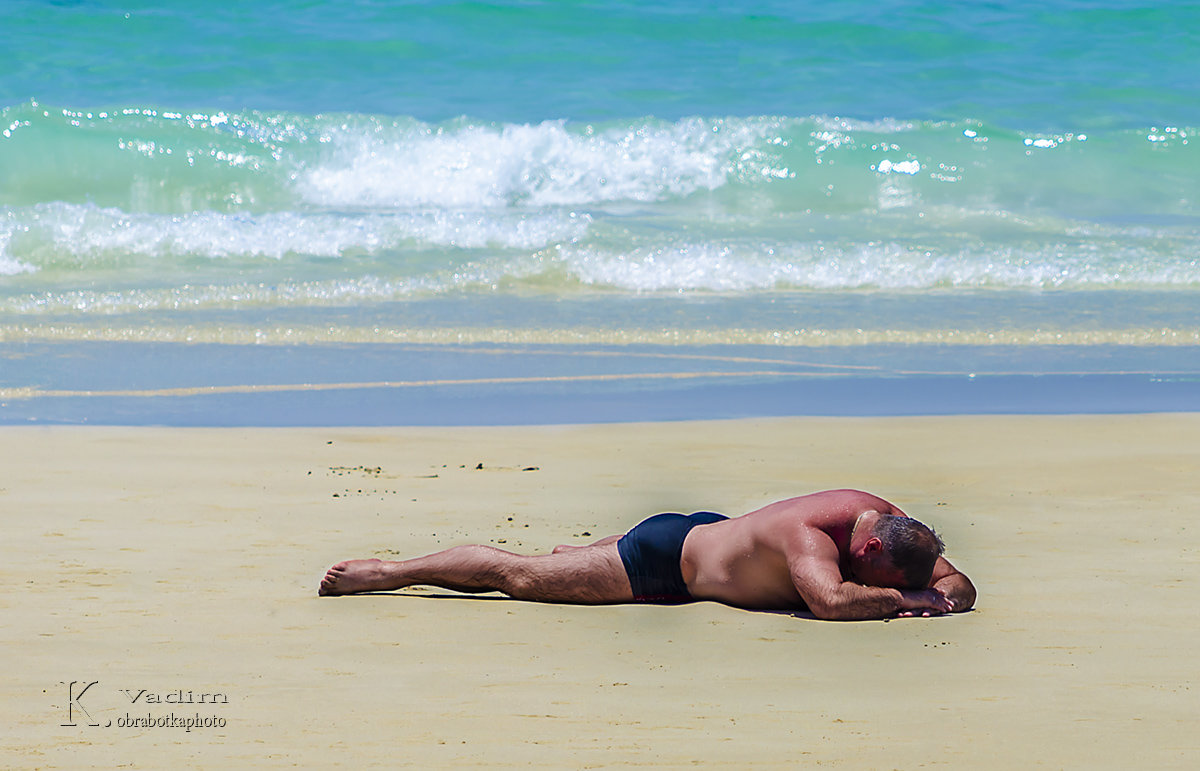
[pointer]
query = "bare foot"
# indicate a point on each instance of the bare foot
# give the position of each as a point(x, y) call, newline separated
point(357, 576)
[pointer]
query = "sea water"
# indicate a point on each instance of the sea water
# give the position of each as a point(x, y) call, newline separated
point(942, 187)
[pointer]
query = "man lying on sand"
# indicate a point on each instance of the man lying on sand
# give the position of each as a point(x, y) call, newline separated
point(842, 554)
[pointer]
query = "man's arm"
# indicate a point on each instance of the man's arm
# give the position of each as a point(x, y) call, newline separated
point(953, 584)
point(819, 581)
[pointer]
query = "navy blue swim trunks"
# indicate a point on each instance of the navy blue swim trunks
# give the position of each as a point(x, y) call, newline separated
point(651, 553)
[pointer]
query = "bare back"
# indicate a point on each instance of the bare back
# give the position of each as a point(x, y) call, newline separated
point(746, 561)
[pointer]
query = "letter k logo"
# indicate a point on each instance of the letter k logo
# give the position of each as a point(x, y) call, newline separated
point(74, 695)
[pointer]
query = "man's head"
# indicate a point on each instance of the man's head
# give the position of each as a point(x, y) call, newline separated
point(897, 552)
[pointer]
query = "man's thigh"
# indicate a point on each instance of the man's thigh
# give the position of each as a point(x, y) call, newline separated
point(592, 575)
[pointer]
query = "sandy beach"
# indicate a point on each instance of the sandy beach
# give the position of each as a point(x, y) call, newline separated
point(286, 284)
point(176, 569)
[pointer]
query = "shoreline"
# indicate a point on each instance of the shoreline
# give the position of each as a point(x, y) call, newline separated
point(465, 385)
point(188, 559)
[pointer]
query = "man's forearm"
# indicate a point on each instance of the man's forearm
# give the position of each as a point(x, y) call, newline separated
point(958, 589)
point(854, 602)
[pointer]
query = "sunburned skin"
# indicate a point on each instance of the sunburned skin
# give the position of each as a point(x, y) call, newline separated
point(817, 552)
point(744, 561)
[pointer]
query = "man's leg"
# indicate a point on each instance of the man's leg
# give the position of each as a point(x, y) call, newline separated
point(591, 575)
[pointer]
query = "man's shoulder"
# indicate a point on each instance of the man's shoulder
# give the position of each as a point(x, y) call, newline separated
point(860, 501)
point(793, 521)
point(822, 511)
point(817, 505)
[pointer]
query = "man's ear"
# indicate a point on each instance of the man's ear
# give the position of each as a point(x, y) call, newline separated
point(873, 544)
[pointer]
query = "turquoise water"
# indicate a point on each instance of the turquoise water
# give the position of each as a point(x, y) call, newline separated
point(976, 176)
point(1033, 66)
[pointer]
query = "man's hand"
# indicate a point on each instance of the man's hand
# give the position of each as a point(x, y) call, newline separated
point(924, 602)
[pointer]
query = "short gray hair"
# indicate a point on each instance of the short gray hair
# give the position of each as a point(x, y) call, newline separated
point(913, 547)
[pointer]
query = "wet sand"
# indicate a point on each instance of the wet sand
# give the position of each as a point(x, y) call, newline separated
point(183, 564)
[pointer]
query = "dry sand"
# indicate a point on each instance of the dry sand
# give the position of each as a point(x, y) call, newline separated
point(187, 560)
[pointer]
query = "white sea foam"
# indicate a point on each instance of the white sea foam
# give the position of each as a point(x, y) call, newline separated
point(71, 233)
point(551, 249)
point(208, 297)
point(11, 267)
point(908, 167)
point(857, 266)
point(679, 268)
point(736, 268)
point(544, 164)
point(8, 265)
